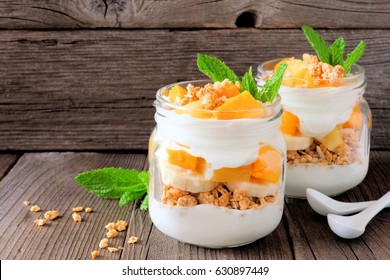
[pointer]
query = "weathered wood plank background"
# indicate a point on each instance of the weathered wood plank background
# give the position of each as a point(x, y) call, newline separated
point(85, 89)
point(25, 14)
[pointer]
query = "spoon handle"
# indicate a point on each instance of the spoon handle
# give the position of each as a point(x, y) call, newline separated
point(354, 207)
point(367, 214)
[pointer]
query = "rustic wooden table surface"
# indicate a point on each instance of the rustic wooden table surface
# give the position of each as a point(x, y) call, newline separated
point(46, 179)
point(77, 82)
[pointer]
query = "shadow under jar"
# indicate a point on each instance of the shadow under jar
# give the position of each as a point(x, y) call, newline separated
point(216, 177)
point(326, 125)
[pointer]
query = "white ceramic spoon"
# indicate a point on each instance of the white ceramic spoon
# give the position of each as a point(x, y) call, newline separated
point(350, 227)
point(325, 205)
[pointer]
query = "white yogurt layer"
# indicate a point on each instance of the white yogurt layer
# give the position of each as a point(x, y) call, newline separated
point(320, 109)
point(330, 180)
point(215, 227)
point(222, 143)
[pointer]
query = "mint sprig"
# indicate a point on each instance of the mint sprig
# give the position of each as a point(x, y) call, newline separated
point(272, 85)
point(248, 83)
point(354, 56)
point(218, 71)
point(113, 183)
point(317, 43)
point(215, 69)
point(334, 54)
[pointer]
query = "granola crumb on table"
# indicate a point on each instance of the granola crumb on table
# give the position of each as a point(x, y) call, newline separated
point(112, 233)
point(110, 226)
point(133, 239)
point(77, 209)
point(40, 222)
point(94, 254)
point(26, 202)
point(52, 214)
point(103, 243)
point(88, 210)
point(76, 217)
point(112, 249)
point(35, 208)
point(120, 225)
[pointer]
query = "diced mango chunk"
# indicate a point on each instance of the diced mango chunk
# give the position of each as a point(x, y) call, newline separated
point(290, 124)
point(268, 166)
point(226, 174)
point(185, 160)
point(356, 119)
point(240, 106)
point(176, 94)
point(230, 91)
point(333, 139)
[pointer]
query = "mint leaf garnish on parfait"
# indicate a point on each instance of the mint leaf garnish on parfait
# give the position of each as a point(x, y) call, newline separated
point(334, 54)
point(248, 83)
point(218, 71)
point(317, 43)
point(215, 69)
point(354, 56)
point(272, 85)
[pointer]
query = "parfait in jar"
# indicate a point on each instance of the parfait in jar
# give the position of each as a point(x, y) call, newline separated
point(217, 158)
point(326, 121)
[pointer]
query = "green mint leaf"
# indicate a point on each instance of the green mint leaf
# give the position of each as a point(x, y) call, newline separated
point(145, 203)
point(354, 56)
point(272, 85)
point(144, 177)
point(112, 183)
point(318, 44)
point(215, 69)
point(132, 195)
point(336, 52)
point(248, 83)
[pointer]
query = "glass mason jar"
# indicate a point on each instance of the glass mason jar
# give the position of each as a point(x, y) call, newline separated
point(216, 178)
point(327, 128)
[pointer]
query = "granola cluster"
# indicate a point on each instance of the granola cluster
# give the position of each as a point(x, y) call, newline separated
point(210, 94)
point(219, 196)
point(317, 153)
point(319, 70)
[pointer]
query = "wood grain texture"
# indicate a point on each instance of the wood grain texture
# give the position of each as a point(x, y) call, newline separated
point(312, 238)
point(47, 180)
point(77, 90)
point(6, 163)
point(24, 14)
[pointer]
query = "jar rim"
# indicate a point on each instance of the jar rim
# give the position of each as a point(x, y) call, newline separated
point(164, 103)
point(356, 69)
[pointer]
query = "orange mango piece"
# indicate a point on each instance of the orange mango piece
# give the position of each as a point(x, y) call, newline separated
point(333, 139)
point(230, 91)
point(268, 166)
point(290, 124)
point(243, 102)
point(187, 161)
point(226, 174)
point(286, 59)
point(356, 119)
point(176, 92)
